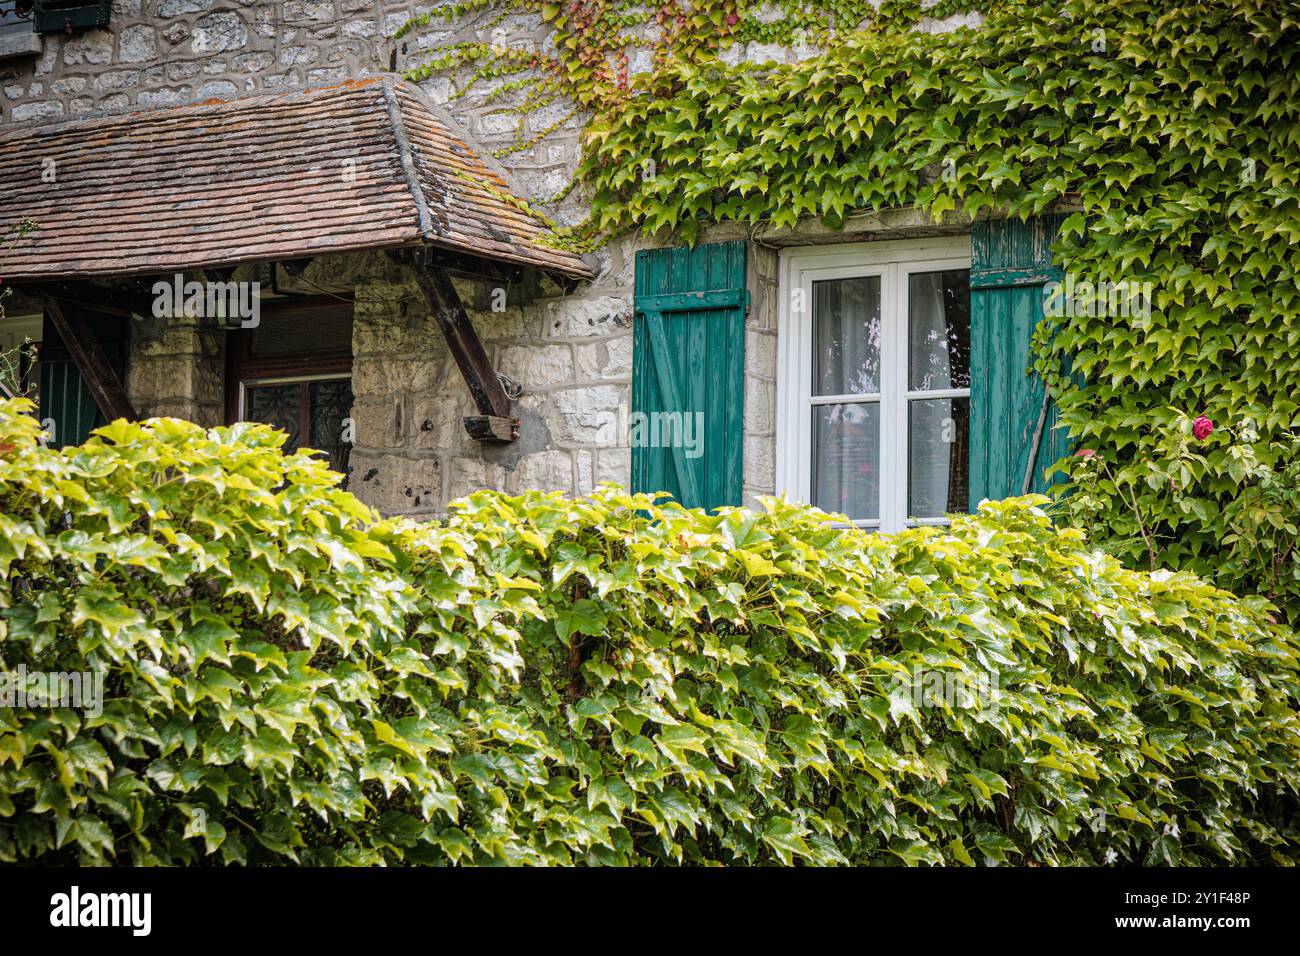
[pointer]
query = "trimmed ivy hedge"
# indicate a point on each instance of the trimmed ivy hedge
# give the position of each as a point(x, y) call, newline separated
point(605, 680)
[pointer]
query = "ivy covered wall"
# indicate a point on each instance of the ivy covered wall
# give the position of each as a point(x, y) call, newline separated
point(1172, 130)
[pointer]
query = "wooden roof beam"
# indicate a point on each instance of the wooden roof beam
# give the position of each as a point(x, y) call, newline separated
point(131, 298)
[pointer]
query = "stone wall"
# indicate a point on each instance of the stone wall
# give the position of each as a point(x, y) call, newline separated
point(167, 52)
point(759, 462)
point(571, 355)
point(177, 370)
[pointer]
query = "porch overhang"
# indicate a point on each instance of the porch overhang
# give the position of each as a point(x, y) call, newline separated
point(287, 177)
point(364, 165)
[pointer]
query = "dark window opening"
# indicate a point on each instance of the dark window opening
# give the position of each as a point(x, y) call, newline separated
point(294, 372)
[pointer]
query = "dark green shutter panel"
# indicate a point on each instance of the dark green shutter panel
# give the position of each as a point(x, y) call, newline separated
point(64, 397)
point(1011, 261)
point(689, 358)
point(55, 16)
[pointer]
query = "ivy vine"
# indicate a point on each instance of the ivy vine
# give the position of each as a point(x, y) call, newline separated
point(606, 51)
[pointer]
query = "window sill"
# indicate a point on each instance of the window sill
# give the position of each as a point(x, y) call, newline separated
point(14, 45)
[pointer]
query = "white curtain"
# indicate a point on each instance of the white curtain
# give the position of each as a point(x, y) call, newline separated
point(846, 343)
point(929, 368)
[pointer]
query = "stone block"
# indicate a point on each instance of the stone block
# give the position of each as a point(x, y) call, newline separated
point(71, 84)
point(577, 316)
point(601, 361)
point(467, 475)
point(27, 111)
point(114, 80)
point(136, 44)
point(397, 485)
point(219, 32)
point(614, 464)
point(537, 366)
point(437, 420)
point(216, 89)
point(152, 98)
point(91, 48)
point(380, 377)
point(176, 8)
point(317, 77)
point(584, 471)
point(760, 354)
point(588, 414)
point(760, 405)
point(179, 70)
point(381, 423)
point(760, 461)
point(298, 55)
point(382, 329)
point(543, 471)
point(253, 62)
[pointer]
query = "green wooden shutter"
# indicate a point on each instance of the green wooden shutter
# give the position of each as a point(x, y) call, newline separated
point(1011, 261)
point(56, 16)
point(64, 397)
point(688, 358)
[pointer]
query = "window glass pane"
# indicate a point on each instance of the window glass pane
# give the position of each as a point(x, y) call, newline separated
point(938, 316)
point(846, 336)
point(938, 449)
point(846, 459)
point(278, 406)
point(331, 403)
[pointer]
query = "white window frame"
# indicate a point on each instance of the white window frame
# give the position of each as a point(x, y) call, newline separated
point(893, 261)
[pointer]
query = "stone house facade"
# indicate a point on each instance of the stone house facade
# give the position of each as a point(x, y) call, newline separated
point(563, 341)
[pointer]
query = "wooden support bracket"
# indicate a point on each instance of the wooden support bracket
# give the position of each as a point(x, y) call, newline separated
point(471, 358)
point(88, 355)
point(491, 428)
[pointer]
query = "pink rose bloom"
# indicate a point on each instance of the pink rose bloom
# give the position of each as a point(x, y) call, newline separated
point(1202, 427)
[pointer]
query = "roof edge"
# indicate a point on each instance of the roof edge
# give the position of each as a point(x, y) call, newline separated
point(212, 103)
point(424, 219)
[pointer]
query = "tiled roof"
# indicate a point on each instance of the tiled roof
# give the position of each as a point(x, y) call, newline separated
point(366, 164)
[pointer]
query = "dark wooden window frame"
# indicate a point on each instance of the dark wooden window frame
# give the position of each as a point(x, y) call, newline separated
point(242, 367)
